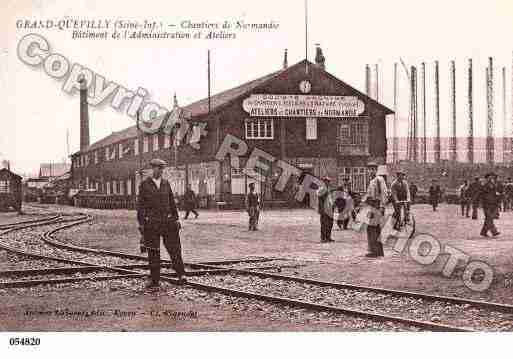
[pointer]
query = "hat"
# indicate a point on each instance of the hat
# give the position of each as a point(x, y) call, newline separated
point(372, 164)
point(251, 185)
point(490, 174)
point(157, 162)
point(382, 171)
point(326, 179)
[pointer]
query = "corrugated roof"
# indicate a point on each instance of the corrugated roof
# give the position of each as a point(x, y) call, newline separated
point(200, 108)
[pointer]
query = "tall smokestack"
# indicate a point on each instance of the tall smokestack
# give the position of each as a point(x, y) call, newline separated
point(470, 139)
point(504, 132)
point(452, 80)
point(394, 128)
point(84, 115)
point(424, 120)
point(437, 113)
point(285, 60)
point(367, 80)
point(490, 146)
point(376, 82)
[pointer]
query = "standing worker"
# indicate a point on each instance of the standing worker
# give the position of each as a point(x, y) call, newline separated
point(465, 199)
point(189, 202)
point(413, 192)
point(253, 207)
point(400, 198)
point(490, 200)
point(376, 198)
point(326, 211)
point(508, 195)
point(158, 217)
point(435, 193)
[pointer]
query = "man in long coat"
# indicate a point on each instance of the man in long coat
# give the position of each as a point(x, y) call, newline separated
point(189, 202)
point(326, 211)
point(490, 200)
point(376, 198)
point(158, 217)
point(474, 192)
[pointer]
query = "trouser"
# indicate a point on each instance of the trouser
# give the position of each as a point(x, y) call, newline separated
point(171, 237)
point(434, 203)
point(475, 206)
point(375, 246)
point(189, 211)
point(326, 227)
point(490, 213)
point(397, 212)
point(254, 214)
point(465, 207)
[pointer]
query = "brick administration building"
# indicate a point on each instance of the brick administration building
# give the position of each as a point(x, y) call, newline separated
point(301, 114)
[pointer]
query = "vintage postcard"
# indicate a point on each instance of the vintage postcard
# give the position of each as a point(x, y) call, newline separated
point(255, 166)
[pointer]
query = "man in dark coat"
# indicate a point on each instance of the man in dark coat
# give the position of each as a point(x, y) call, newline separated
point(435, 193)
point(158, 217)
point(474, 192)
point(189, 202)
point(413, 192)
point(508, 195)
point(326, 211)
point(345, 204)
point(489, 197)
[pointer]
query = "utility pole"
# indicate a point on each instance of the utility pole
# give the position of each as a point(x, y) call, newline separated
point(452, 80)
point(490, 145)
point(394, 127)
point(424, 119)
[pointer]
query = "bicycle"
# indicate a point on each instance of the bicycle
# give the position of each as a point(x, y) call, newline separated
point(406, 221)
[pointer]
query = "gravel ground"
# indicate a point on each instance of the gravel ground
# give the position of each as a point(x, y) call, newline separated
point(29, 240)
point(277, 316)
point(20, 277)
point(13, 261)
point(418, 309)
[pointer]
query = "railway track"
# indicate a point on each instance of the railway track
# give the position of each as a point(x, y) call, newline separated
point(423, 311)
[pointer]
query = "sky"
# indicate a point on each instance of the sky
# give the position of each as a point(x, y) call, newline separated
point(37, 113)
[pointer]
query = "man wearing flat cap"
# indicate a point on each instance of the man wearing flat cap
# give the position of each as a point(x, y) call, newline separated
point(489, 197)
point(376, 198)
point(326, 211)
point(158, 217)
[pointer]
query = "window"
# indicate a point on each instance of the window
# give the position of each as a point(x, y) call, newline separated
point(155, 142)
point(4, 187)
point(121, 187)
point(259, 129)
point(129, 187)
point(108, 187)
point(167, 141)
point(136, 146)
point(107, 154)
point(311, 128)
point(145, 144)
point(353, 134)
point(120, 146)
point(357, 176)
point(95, 156)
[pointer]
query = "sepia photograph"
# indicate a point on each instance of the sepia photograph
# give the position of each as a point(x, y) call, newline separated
point(272, 171)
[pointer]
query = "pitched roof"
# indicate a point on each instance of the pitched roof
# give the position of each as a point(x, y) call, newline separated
point(11, 173)
point(200, 108)
point(53, 169)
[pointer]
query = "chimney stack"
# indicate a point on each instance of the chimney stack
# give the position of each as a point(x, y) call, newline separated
point(319, 57)
point(84, 115)
point(285, 60)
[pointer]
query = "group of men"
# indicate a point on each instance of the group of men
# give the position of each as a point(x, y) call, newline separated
point(489, 193)
point(344, 203)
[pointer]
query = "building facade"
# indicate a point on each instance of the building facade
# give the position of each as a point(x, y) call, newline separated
point(301, 114)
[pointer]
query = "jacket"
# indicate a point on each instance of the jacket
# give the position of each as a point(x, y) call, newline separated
point(489, 196)
point(154, 205)
point(377, 191)
point(400, 191)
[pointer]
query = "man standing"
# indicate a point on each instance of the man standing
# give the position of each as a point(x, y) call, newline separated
point(413, 192)
point(508, 195)
point(253, 207)
point(474, 192)
point(489, 199)
point(434, 194)
point(158, 217)
point(345, 204)
point(189, 202)
point(400, 197)
point(464, 195)
point(326, 211)
point(376, 198)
